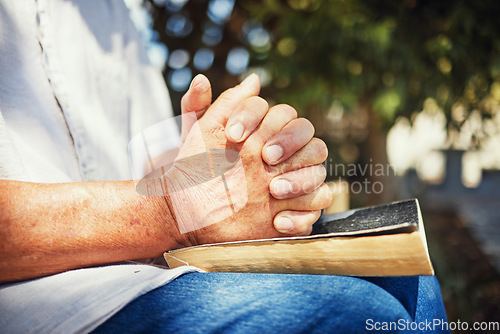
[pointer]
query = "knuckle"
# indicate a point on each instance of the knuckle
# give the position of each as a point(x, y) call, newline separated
point(254, 107)
point(287, 110)
point(307, 219)
point(307, 231)
point(317, 214)
point(321, 171)
point(308, 186)
point(302, 228)
point(320, 149)
point(307, 125)
point(300, 224)
point(259, 102)
point(227, 94)
point(325, 196)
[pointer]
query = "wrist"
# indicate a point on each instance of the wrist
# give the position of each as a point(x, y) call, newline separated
point(155, 194)
point(175, 205)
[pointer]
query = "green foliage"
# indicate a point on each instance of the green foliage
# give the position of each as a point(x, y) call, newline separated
point(390, 55)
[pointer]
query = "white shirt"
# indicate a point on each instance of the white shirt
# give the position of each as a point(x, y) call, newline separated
point(75, 87)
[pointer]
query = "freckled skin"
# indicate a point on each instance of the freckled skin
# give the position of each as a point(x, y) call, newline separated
point(55, 227)
point(260, 208)
point(50, 228)
point(135, 221)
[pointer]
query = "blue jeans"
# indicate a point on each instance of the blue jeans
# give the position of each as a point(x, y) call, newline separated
point(272, 303)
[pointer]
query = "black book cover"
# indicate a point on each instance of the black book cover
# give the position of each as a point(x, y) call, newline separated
point(390, 218)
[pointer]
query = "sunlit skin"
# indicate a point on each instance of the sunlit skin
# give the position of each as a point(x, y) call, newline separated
point(50, 228)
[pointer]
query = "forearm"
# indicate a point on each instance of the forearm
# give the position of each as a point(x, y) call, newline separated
point(50, 228)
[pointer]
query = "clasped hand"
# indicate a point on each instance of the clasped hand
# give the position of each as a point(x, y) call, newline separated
point(244, 170)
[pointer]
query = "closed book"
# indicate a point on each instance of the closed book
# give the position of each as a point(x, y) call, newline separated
point(384, 240)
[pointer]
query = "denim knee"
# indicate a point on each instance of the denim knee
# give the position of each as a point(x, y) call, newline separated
point(259, 303)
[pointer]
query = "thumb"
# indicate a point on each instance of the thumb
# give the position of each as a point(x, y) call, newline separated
point(194, 103)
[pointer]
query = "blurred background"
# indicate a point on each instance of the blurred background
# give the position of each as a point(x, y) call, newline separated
point(405, 93)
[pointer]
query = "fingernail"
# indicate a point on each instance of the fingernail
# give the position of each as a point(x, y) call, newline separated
point(282, 187)
point(236, 131)
point(274, 153)
point(284, 224)
point(248, 79)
